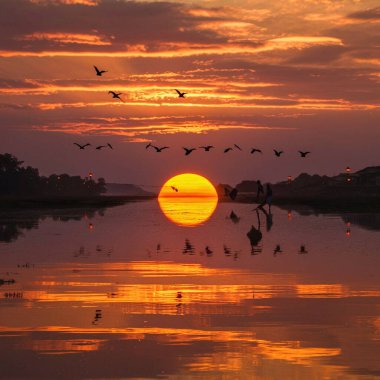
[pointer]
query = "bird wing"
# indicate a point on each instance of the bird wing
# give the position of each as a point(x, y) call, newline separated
point(178, 92)
point(237, 146)
point(96, 69)
point(86, 145)
point(77, 145)
point(110, 145)
point(112, 92)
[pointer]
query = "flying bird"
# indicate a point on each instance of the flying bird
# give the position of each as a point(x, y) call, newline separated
point(188, 150)
point(159, 150)
point(277, 152)
point(180, 94)
point(81, 146)
point(100, 147)
point(99, 72)
point(174, 189)
point(254, 150)
point(207, 147)
point(109, 145)
point(237, 146)
point(303, 154)
point(227, 150)
point(116, 95)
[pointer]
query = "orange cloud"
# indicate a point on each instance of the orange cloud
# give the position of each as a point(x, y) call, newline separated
point(67, 38)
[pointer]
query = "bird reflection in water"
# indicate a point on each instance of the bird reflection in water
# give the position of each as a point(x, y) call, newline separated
point(277, 250)
point(179, 303)
point(302, 250)
point(234, 218)
point(189, 248)
point(98, 316)
point(209, 252)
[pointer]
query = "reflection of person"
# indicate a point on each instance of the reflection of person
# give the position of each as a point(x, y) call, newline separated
point(269, 196)
point(260, 190)
point(268, 218)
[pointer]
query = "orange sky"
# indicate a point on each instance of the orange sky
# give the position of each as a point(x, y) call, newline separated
point(288, 75)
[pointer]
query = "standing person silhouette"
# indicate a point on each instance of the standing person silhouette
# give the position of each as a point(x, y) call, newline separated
point(260, 190)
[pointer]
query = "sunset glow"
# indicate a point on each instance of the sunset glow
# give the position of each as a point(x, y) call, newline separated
point(287, 73)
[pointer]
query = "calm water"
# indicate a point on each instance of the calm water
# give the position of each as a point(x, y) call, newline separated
point(126, 293)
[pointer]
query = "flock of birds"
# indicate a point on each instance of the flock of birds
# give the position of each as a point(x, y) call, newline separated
point(99, 147)
point(207, 148)
point(189, 249)
point(187, 151)
point(117, 95)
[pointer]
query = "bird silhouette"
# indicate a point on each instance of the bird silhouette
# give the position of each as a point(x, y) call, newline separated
point(303, 154)
point(159, 150)
point(254, 150)
point(277, 249)
point(99, 72)
point(109, 145)
point(116, 95)
point(227, 149)
point(207, 147)
point(188, 150)
point(180, 94)
point(277, 152)
point(100, 147)
point(81, 146)
point(174, 189)
point(237, 146)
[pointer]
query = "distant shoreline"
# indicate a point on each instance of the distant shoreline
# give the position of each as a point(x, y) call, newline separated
point(364, 204)
point(69, 202)
point(323, 204)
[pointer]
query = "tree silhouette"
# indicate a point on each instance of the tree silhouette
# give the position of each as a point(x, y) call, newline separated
point(17, 181)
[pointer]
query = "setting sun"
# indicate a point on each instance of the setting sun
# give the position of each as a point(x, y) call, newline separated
point(188, 199)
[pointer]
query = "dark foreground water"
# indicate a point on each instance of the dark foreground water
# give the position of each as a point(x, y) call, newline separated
point(125, 293)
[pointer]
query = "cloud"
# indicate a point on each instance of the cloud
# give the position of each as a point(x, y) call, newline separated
point(369, 14)
point(67, 38)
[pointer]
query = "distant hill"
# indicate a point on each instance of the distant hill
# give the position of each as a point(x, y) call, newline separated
point(126, 189)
